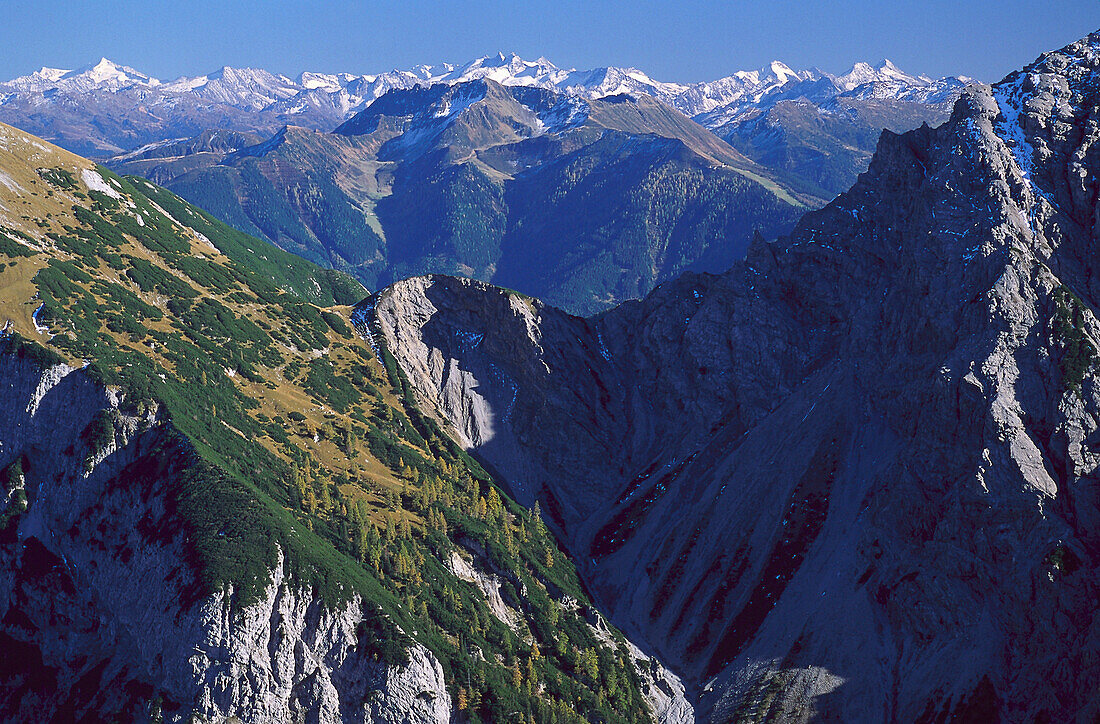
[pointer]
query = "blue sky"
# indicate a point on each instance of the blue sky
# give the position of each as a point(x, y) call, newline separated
point(682, 41)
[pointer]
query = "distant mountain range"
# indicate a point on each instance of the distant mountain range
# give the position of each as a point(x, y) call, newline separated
point(585, 188)
point(106, 108)
point(585, 202)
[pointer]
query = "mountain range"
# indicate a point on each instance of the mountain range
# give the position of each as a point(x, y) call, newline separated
point(582, 202)
point(854, 476)
point(605, 173)
point(106, 108)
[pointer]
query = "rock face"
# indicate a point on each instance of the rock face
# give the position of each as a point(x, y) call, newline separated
point(98, 608)
point(855, 477)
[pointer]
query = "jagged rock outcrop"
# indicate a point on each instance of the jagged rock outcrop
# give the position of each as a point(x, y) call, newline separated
point(100, 612)
point(856, 476)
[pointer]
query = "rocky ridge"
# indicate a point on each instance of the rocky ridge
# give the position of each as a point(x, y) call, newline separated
point(853, 477)
point(95, 532)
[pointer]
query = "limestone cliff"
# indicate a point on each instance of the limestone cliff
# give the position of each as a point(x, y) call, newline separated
point(98, 608)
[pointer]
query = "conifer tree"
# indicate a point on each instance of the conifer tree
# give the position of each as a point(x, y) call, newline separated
point(493, 505)
point(590, 664)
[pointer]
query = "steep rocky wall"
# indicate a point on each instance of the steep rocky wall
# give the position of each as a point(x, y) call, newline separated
point(98, 608)
point(855, 476)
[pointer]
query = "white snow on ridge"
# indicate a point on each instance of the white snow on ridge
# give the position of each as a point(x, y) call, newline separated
point(1008, 97)
point(570, 113)
point(866, 73)
point(324, 81)
point(149, 147)
point(458, 102)
point(346, 93)
point(95, 182)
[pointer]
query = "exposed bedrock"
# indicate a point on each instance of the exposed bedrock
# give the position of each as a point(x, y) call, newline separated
point(856, 475)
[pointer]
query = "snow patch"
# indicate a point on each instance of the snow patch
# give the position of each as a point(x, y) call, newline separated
point(95, 182)
point(571, 112)
point(41, 329)
point(1009, 99)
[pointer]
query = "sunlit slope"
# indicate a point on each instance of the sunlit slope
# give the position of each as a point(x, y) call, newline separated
point(299, 437)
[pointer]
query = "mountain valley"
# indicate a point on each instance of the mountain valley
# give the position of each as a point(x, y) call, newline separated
point(583, 203)
point(600, 171)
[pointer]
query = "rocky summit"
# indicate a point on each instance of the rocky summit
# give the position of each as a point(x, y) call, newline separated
point(856, 476)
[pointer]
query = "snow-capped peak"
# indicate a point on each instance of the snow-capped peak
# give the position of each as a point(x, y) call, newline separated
point(107, 74)
point(52, 74)
point(888, 70)
point(104, 70)
point(504, 68)
point(859, 74)
point(325, 81)
point(103, 74)
point(782, 71)
point(330, 82)
point(862, 73)
point(36, 82)
point(252, 88)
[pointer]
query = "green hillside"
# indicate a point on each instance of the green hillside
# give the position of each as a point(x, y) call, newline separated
point(287, 432)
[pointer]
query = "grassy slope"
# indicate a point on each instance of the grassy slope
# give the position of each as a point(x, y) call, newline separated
point(298, 436)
